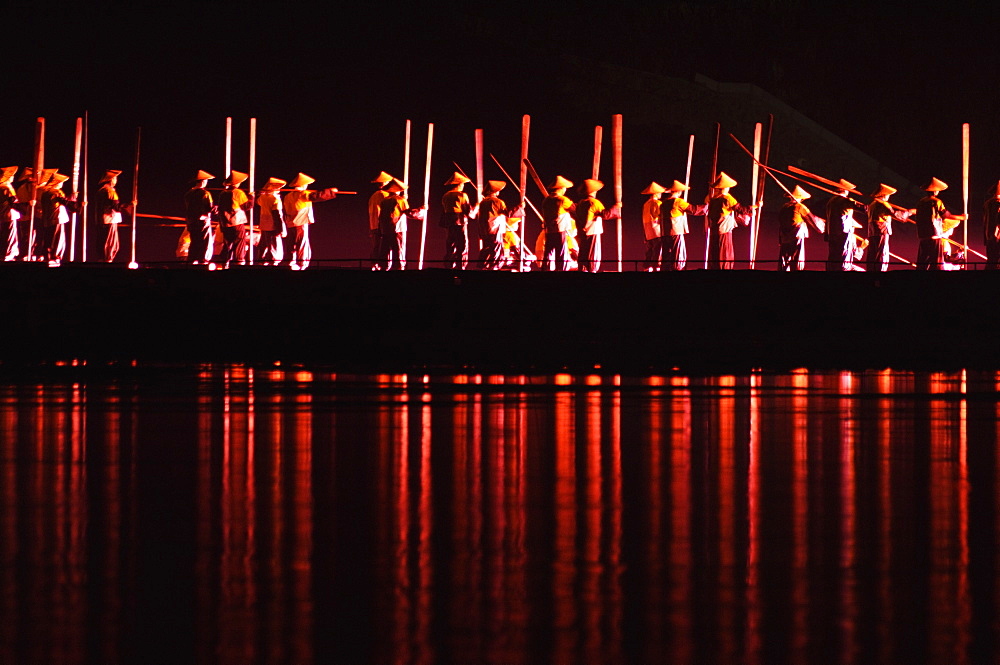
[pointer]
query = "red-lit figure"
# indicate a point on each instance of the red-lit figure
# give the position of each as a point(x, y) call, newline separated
point(298, 209)
point(839, 235)
point(56, 207)
point(991, 229)
point(723, 215)
point(232, 208)
point(393, 213)
point(198, 206)
point(109, 207)
point(272, 225)
point(557, 220)
point(382, 180)
point(652, 224)
point(674, 211)
point(589, 215)
point(880, 217)
point(794, 220)
point(9, 214)
point(932, 219)
point(456, 210)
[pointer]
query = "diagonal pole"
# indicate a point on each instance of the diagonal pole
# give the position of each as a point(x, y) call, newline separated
point(427, 190)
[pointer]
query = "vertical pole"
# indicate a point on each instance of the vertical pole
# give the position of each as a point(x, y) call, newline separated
point(229, 147)
point(616, 140)
point(754, 227)
point(525, 131)
point(965, 191)
point(406, 155)
point(687, 173)
point(83, 199)
point(595, 169)
point(427, 191)
point(252, 179)
point(39, 164)
point(763, 181)
point(135, 194)
point(711, 180)
point(77, 147)
point(477, 244)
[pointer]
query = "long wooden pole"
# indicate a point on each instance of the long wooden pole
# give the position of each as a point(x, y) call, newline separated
point(251, 177)
point(595, 169)
point(477, 244)
point(135, 193)
point(84, 189)
point(687, 172)
point(427, 193)
point(523, 180)
point(524, 199)
point(753, 188)
point(965, 187)
point(229, 146)
point(711, 181)
point(39, 164)
point(759, 197)
point(77, 148)
point(406, 154)
point(616, 140)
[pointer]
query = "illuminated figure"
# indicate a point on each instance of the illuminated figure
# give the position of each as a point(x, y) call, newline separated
point(382, 179)
point(492, 218)
point(880, 217)
point(232, 208)
point(675, 211)
point(298, 209)
point(931, 218)
point(56, 207)
point(8, 214)
point(393, 212)
point(198, 207)
point(109, 207)
point(652, 226)
point(456, 210)
point(991, 229)
point(794, 220)
point(839, 235)
point(723, 214)
point(24, 184)
point(272, 225)
point(589, 215)
point(557, 222)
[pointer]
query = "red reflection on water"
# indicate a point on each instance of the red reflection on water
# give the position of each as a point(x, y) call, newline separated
point(681, 560)
point(564, 569)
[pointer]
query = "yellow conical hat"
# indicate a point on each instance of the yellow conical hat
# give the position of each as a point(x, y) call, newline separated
point(560, 183)
point(800, 194)
point(935, 185)
point(883, 190)
point(846, 184)
point(108, 175)
point(723, 181)
point(382, 178)
point(678, 186)
point(274, 183)
point(203, 175)
point(494, 186)
point(590, 186)
point(7, 172)
point(396, 186)
point(235, 178)
point(57, 179)
point(457, 179)
point(46, 176)
point(654, 188)
point(301, 180)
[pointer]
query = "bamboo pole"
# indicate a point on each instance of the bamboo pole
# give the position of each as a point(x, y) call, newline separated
point(711, 181)
point(135, 194)
point(524, 199)
point(251, 180)
point(77, 148)
point(687, 172)
point(965, 188)
point(753, 188)
point(525, 130)
point(595, 169)
point(427, 190)
point(406, 155)
point(759, 199)
point(229, 147)
point(477, 244)
point(616, 141)
point(84, 189)
point(39, 164)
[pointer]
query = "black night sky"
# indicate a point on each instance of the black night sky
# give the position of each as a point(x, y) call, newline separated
point(332, 85)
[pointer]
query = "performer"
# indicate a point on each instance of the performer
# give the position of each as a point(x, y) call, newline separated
point(56, 207)
point(455, 215)
point(930, 216)
point(9, 215)
point(492, 218)
point(232, 208)
point(24, 184)
point(794, 220)
point(841, 243)
point(991, 229)
point(589, 215)
point(272, 226)
point(675, 211)
point(382, 179)
point(393, 212)
point(557, 220)
point(198, 208)
point(723, 214)
point(110, 209)
point(298, 215)
point(880, 217)
point(651, 225)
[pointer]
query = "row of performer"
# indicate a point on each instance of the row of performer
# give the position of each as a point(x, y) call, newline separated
point(34, 213)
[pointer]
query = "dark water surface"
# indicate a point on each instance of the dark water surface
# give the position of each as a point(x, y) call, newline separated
point(235, 514)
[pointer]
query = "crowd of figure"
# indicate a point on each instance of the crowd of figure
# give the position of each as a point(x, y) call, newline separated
point(34, 213)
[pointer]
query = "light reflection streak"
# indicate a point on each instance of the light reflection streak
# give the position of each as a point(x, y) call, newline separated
point(564, 569)
point(800, 515)
point(726, 516)
point(848, 523)
point(752, 641)
point(681, 558)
